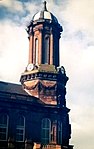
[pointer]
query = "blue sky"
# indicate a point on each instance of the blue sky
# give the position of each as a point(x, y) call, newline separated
point(76, 55)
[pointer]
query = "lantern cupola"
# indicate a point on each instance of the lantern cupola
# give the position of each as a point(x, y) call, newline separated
point(44, 33)
point(41, 77)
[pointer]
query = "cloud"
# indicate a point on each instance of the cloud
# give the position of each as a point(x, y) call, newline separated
point(12, 5)
point(80, 14)
point(82, 126)
point(13, 10)
point(14, 51)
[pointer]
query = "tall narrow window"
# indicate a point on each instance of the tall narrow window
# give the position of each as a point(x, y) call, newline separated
point(59, 132)
point(3, 127)
point(20, 129)
point(36, 51)
point(46, 130)
point(46, 50)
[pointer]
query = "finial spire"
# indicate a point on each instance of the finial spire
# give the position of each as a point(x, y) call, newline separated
point(45, 8)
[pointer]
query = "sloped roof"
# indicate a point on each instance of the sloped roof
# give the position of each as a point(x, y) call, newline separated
point(7, 88)
point(11, 88)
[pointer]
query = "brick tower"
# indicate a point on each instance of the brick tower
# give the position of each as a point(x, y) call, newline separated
point(43, 77)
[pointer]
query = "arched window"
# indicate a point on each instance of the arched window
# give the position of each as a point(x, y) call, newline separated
point(36, 51)
point(4, 126)
point(46, 50)
point(20, 128)
point(46, 131)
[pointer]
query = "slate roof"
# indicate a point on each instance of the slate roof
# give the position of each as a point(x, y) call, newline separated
point(16, 89)
point(15, 93)
point(12, 88)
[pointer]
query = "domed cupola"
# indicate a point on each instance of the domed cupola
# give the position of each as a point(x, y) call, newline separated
point(44, 15)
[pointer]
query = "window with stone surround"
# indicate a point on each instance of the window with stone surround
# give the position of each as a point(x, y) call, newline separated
point(20, 129)
point(4, 119)
point(46, 130)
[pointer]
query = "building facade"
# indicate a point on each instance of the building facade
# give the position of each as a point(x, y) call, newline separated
point(34, 115)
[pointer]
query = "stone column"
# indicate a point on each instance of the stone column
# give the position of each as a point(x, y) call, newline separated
point(51, 50)
point(31, 49)
point(40, 47)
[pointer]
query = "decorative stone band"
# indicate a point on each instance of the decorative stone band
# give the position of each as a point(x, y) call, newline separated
point(43, 89)
point(35, 84)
